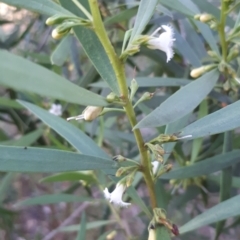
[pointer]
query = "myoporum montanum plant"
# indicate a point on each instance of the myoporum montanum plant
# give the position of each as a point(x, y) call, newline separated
point(158, 124)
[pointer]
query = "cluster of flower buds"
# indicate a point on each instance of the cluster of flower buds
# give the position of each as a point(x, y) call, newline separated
point(165, 138)
point(113, 98)
point(207, 18)
point(65, 24)
point(157, 150)
point(185, 183)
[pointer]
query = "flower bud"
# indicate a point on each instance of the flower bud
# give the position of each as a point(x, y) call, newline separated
point(56, 19)
point(144, 97)
point(197, 16)
point(125, 170)
point(112, 97)
point(111, 235)
point(91, 112)
point(197, 72)
point(130, 178)
point(206, 17)
point(213, 54)
point(233, 53)
point(56, 35)
point(134, 88)
point(119, 158)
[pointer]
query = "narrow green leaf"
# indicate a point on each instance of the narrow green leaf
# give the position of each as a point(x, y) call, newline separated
point(151, 82)
point(132, 193)
point(61, 52)
point(171, 128)
point(72, 134)
point(82, 228)
point(208, 35)
point(21, 159)
point(47, 7)
point(178, 105)
point(224, 210)
point(70, 176)
point(96, 53)
point(186, 50)
point(161, 194)
point(183, 6)
point(91, 225)
point(197, 143)
point(237, 23)
point(121, 16)
point(205, 167)
point(51, 199)
point(94, 49)
point(145, 12)
point(42, 81)
point(222, 120)
point(226, 180)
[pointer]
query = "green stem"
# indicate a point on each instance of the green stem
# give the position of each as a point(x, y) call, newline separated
point(221, 29)
point(119, 70)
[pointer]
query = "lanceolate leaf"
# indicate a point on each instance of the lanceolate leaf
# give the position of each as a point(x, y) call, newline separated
point(181, 103)
point(47, 7)
point(205, 167)
point(72, 134)
point(22, 159)
point(224, 210)
point(151, 82)
point(90, 225)
point(52, 199)
point(93, 48)
point(145, 12)
point(24, 75)
point(220, 121)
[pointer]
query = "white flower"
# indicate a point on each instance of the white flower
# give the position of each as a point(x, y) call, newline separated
point(164, 42)
point(88, 114)
point(155, 165)
point(116, 196)
point(56, 109)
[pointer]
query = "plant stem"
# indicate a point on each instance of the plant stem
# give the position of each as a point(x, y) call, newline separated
point(119, 70)
point(221, 29)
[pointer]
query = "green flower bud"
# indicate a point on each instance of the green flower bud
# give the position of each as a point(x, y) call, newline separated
point(56, 19)
point(233, 53)
point(134, 88)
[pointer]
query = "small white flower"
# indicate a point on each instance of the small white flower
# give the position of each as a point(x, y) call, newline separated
point(164, 42)
point(116, 196)
point(88, 114)
point(155, 165)
point(56, 109)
